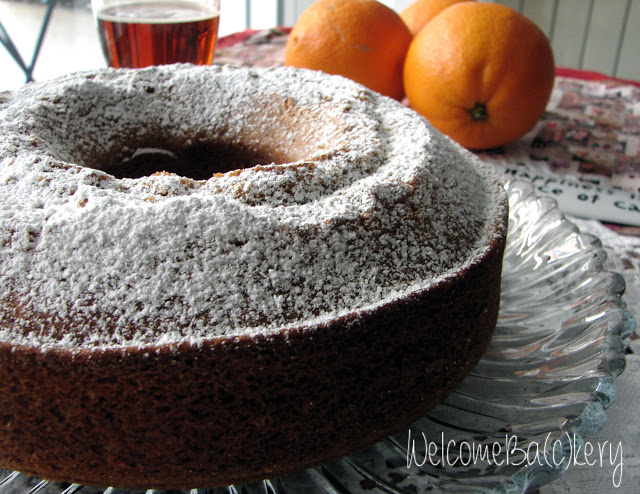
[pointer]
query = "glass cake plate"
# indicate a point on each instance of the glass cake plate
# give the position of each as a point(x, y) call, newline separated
point(541, 388)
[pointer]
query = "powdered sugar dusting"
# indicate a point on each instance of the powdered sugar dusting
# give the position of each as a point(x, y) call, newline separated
point(359, 202)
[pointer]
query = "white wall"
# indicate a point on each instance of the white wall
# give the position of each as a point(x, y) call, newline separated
point(71, 42)
point(601, 35)
point(293, 8)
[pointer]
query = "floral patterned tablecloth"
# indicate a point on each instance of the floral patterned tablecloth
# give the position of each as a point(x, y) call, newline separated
point(590, 136)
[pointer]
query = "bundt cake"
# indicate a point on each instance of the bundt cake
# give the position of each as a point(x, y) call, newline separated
point(211, 275)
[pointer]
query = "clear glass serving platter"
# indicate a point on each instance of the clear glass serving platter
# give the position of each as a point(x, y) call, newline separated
point(541, 388)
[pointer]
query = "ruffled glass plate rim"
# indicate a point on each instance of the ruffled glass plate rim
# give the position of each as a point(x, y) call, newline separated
point(541, 388)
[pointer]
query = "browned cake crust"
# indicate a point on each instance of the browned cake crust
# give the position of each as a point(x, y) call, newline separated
point(166, 396)
point(230, 411)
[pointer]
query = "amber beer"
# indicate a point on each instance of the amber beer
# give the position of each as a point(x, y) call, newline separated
point(143, 34)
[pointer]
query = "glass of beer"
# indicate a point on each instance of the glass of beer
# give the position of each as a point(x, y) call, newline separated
point(140, 33)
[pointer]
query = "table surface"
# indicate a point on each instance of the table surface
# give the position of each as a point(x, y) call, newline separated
point(591, 131)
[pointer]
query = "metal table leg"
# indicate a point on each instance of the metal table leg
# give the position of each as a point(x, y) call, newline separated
point(5, 39)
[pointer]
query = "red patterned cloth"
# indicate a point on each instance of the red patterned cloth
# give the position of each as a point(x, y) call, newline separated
point(589, 75)
point(264, 48)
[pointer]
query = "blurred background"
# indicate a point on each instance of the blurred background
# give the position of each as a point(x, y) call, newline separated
point(599, 35)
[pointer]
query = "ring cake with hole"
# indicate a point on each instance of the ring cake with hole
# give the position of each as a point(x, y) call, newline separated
point(211, 275)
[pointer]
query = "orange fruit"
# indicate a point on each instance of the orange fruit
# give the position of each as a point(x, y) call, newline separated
point(481, 73)
point(363, 40)
point(420, 12)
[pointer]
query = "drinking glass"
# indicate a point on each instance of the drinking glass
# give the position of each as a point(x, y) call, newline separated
point(141, 33)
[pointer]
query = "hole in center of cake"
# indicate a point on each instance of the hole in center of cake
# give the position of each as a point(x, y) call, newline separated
point(197, 161)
